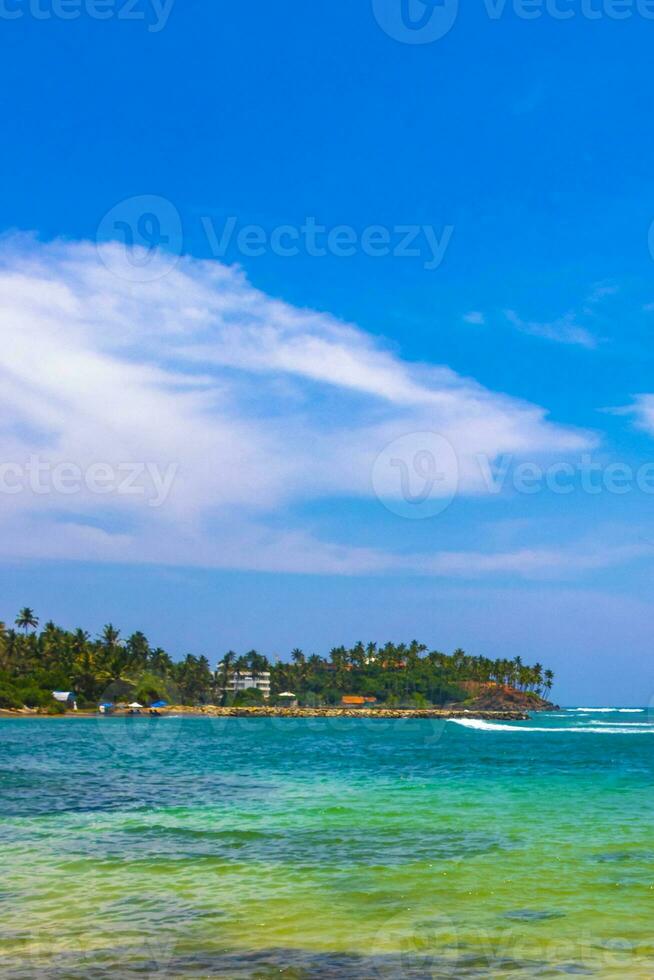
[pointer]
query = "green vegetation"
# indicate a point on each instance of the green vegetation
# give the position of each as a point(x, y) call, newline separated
point(398, 674)
point(34, 663)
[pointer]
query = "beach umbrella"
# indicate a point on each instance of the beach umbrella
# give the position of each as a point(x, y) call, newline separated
point(134, 704)
point(159, 704)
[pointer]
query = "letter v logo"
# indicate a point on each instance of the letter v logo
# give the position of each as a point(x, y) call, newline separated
point(416, 21)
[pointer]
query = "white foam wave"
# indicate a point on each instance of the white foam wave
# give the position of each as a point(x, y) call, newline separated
point(620, 711)
point(629, 724)
point(493, 726)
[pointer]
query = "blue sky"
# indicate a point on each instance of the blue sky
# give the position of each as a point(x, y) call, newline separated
point(276, 390)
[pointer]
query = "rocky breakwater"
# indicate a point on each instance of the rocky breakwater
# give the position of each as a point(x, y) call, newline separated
point(379, 713)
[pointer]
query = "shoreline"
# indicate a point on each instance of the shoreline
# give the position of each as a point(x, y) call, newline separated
point(212, 711)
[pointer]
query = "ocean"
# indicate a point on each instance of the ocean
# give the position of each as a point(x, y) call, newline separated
point(300, 848)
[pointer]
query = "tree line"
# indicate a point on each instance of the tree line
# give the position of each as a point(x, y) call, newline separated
point(34, 662)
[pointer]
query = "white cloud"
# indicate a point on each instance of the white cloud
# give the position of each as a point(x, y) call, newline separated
point(535, 563)
point(261, 406)
point(564, 330)
point(642, 409)
point(569, 328)
point(475, 317)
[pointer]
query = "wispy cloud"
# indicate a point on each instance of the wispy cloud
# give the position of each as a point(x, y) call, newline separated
point(564, 330)
point(475, 317)
point(259, 405)
point(642, 410)
point(536, 563)
point(572, 327)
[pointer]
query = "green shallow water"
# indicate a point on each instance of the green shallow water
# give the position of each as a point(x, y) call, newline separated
point(327, 848)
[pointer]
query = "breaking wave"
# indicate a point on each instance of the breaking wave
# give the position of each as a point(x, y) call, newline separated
point(619, 711)
point(493, 726)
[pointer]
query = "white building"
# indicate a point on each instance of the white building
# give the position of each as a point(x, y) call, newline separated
point(240, 681)
point(69, 698)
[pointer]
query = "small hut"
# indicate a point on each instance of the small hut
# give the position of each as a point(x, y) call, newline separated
point(69, 698)
point(287, 699)
point(352, 701)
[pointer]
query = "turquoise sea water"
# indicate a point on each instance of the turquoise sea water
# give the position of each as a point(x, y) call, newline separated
point(327, 847)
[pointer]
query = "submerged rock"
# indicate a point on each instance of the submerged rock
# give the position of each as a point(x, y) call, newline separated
point(532, 915)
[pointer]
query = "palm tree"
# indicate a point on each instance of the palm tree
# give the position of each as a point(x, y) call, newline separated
point(371, 654)
point(358, 656)
point(458, 660)
point(26, 619)
point(110, 636)
point(4, 647)
point(116, 657)
point(80, 639)
point(160, 662)
point(252, 658)
point(413, 654)
point(222, 674)
point(300, 664)
point(139, 649)
point(241, 666)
